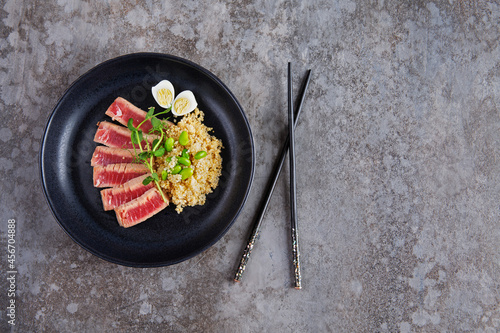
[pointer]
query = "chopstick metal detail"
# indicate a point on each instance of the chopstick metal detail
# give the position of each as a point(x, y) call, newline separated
point(293, 184)
point(270, 187)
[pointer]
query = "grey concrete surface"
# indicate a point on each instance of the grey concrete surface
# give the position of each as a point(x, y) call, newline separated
point(397, 159)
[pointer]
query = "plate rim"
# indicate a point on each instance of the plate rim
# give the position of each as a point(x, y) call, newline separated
point(42, 166)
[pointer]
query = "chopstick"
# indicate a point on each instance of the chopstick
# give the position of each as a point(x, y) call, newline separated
point(293, 184)
point(270, 186)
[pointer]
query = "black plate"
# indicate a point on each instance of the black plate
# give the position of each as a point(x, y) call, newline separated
point(67, 148)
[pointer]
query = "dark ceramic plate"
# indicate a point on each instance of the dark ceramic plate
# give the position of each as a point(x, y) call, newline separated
point(67, 148)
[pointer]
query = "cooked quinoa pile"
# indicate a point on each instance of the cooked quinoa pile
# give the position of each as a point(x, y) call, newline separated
point(206, 171)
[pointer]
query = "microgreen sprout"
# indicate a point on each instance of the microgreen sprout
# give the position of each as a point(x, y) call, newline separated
point(149, 151)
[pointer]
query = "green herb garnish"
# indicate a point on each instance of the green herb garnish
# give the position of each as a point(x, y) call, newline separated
point(155, 149)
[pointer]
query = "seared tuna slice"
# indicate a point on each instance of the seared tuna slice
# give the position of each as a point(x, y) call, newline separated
point(107, 155)
point(116, 174)
point(140, 209)
point(116, 196)
point(117, 136)
point(122, 110)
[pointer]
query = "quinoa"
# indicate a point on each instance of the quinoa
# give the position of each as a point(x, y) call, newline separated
point(206, 171)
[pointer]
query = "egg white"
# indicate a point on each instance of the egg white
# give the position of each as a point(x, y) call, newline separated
point(163, 93)
point(184, 103)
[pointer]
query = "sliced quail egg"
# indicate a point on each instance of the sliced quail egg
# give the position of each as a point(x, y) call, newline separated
point(184, 103)
point(163, 93)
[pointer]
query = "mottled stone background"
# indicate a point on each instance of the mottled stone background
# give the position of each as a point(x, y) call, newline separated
point(397, 157)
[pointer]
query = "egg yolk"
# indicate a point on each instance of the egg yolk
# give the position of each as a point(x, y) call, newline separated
point(181, 105)
point(165, 97)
